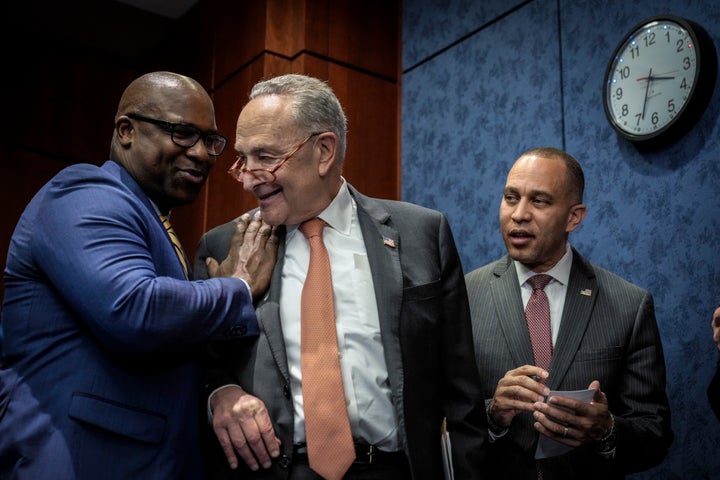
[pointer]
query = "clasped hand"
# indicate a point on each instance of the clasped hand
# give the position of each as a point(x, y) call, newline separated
point(242, 424)
point(567, 420)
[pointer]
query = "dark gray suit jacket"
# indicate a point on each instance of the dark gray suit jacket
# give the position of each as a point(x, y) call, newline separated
point(426, 336)
point(608, 333)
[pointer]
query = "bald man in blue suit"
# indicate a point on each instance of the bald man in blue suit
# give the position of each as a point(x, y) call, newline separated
point(101, 325)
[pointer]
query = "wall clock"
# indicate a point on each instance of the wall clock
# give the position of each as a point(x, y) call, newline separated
point(659, 80)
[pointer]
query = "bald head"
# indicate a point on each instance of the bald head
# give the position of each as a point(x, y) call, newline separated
point(152, 91)
point(156, 114)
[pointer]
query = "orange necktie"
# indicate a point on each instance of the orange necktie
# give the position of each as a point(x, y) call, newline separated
point(327, 427)
point(176, 243)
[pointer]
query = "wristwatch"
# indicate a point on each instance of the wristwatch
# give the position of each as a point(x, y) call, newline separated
point(495, 429)
point(606, 445)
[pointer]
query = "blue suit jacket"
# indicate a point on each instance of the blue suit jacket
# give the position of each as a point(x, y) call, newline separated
point(607, 333)
point(101, 326)
point(425, 332)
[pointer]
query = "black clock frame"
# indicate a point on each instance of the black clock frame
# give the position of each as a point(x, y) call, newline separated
point(699, 96)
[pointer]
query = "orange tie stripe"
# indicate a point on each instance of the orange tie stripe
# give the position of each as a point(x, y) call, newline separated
point(176, 243)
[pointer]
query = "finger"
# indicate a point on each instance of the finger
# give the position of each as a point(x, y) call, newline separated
point(212, 266)
point(273, 240)
point(227, 447)
point(255, 223)
point(271, 441)
point(238, 237)
point(263, 234)
point(241, 446)
point(529, 371)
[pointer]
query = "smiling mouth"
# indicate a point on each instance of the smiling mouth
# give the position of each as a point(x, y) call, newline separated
point(266, 195)
point(197, 175)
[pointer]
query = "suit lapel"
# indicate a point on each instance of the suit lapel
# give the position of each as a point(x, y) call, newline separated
point(508, 302)
point(268, 312)
point(582, 290)
point(383, 243)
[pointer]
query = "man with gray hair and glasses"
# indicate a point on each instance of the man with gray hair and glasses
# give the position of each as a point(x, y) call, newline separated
point(395, 352)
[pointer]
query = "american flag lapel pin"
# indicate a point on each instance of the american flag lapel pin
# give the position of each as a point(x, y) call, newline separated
point(389, 242)
point(586, 291)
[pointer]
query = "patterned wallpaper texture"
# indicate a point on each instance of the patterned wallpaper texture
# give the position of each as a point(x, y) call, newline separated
point(485, 81)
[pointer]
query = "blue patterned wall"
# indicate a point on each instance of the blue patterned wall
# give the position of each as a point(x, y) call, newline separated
point(484, 81)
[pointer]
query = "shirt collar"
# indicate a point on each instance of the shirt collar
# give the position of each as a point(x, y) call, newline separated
point(560, 271)
point(338, 214)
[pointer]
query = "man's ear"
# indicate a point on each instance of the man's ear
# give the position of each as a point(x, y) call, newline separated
point(327, 146)
point(575, 217)
point(125, 130)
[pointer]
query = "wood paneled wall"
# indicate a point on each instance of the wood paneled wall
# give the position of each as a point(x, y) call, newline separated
point(61, 93)
point(353, 45)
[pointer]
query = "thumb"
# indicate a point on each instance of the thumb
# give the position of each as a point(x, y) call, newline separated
point(212, 267)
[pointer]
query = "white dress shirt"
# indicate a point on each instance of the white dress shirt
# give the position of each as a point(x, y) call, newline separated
point(555, 290)
point(362, 361)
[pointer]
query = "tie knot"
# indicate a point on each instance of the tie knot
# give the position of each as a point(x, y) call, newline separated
point(539, 281)
point(313, 227)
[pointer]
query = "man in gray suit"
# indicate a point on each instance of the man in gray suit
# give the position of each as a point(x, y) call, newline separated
point(403, 322)
point(604, 338)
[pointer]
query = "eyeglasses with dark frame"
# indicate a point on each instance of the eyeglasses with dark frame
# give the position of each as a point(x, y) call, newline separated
point(265, 175)
point(186, 136)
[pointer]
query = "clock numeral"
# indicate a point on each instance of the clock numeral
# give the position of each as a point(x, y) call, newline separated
point(680, 45)
point(686, 63)
point(654, 118)
point(684, 84)
point(624, 110)
point(650, 39)
point(618, 93)
point(624, 73)
point(671, 105)
point(635, 52)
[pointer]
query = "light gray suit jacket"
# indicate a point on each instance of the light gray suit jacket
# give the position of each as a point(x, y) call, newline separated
point(608, 333)
point(426, 335)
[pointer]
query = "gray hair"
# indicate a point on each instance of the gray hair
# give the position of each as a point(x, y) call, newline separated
point(315, 108)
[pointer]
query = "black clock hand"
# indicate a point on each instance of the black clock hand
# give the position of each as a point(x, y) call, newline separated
point(647, 87)
point(657, 77)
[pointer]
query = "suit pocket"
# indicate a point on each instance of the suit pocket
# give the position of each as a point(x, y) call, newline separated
point(139, 425)
point(423, 292)
point(607, 354)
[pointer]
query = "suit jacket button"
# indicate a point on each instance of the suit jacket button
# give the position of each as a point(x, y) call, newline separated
point(284, 462)
point(286, 391)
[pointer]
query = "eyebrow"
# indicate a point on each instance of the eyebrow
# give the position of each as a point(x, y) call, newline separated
point(533, 193)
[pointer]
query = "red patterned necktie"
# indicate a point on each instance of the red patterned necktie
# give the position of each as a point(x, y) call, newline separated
point(537, 314)
point(176, 244)
point(327, 427)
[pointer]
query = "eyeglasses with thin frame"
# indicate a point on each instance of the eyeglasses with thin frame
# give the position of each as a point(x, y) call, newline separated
point(265, 175)
point(186, 136)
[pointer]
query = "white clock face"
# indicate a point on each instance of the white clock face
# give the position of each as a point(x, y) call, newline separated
point(651, 78)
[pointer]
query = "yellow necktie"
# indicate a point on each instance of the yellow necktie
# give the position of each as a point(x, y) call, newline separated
point(176, 243)
point(327, 427)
